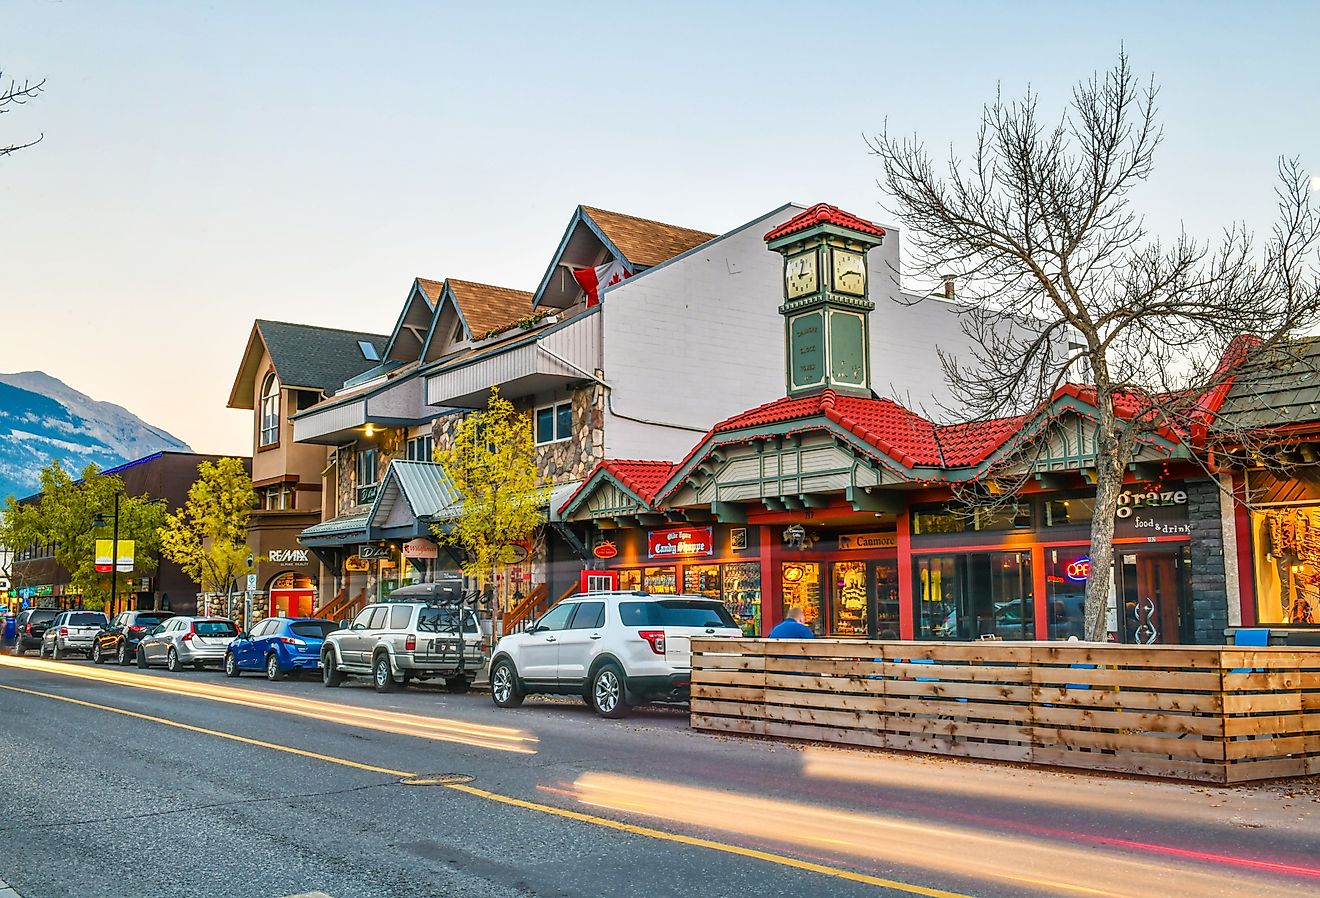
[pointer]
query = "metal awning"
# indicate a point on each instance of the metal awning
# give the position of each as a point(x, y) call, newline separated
point(336, 531)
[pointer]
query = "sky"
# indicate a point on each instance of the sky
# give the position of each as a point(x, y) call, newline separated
point(205, 164)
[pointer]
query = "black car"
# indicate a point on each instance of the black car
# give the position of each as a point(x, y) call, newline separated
point(118, 642)
point(29, 628)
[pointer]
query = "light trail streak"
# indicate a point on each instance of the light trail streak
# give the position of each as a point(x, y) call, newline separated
point(476, 735)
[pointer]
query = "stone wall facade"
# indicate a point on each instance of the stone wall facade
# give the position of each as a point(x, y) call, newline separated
point(1209, 604)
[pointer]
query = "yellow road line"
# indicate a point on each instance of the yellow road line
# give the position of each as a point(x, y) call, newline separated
point(605, 822)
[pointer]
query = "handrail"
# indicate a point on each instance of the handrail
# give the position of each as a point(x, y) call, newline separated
point(525, 609)
point(333, 605)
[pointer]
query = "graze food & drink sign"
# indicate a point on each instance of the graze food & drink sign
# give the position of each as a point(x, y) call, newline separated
point(680, 542)
point(1152, 511)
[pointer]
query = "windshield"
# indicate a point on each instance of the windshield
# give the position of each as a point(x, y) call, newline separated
point(445, 620)
point(315, 629)
point(44, 615)
point(86, 619)
point(147, 621)
point(214, 628)
point(675, 613)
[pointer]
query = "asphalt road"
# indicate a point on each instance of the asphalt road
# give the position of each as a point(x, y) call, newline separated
point(125, 783)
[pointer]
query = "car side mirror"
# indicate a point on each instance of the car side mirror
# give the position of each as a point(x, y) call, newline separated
point(343, 625)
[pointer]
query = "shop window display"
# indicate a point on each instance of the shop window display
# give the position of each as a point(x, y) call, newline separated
point(885, 584)
point(630, 580)
point(742, 595)
point(848, 598)
point(974, 595)
point(660, 580)
point(702, 579)
point(1287, 547)
point(1066, 572)
point(802, 589)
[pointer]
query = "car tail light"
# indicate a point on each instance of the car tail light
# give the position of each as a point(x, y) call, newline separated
point(136, 628)
point(289, 641)
point(64, 631)
point(28, 629)
point(656, 638)
point(192, 631)
point(410, 643)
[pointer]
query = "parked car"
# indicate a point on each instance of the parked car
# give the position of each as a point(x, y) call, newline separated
point(397, 642)
point(71, 633)
point(198, 641)
point(30, 627)
point(612, 648)
point(119, 641)
point(279, 645)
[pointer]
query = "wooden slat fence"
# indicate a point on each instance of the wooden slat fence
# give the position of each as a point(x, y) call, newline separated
point(1205, 713)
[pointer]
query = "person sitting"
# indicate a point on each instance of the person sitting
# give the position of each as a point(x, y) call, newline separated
point(792, 627)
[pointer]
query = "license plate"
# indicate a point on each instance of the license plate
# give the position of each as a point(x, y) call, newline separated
point(443, 647)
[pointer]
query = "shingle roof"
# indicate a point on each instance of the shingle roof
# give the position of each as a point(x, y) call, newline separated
point(1279, 387)
point(641, 477)
point(319, 358)
point(486, 308)
point(824, 213)
point(431, 288)
point(642, 241)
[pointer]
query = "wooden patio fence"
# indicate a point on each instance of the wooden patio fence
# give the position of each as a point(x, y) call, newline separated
point(1205, 713)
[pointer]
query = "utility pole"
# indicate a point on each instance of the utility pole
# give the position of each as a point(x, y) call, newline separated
point(114, 560)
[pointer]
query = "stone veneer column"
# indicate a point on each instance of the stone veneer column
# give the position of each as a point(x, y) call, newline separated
point(1208, 575)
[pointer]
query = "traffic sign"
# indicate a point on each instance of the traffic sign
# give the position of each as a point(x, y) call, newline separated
point(252, 583)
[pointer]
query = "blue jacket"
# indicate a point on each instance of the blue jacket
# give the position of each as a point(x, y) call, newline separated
point(791, 629)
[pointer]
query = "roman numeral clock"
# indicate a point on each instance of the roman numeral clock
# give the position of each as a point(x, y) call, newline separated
point(826, 307)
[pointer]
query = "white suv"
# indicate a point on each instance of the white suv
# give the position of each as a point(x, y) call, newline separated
point(611, 648)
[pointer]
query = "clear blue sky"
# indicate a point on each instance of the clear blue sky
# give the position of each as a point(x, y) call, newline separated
point(208, 163)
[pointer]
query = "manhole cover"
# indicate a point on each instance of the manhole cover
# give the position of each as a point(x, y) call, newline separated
point(437, 779)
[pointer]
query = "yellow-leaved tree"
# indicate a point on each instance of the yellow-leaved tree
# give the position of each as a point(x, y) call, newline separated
point(492, 464)
point(207, 538)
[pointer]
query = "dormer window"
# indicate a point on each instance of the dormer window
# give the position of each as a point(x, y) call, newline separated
point(269, 434)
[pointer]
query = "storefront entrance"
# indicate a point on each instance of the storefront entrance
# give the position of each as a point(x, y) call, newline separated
point(1152, 596)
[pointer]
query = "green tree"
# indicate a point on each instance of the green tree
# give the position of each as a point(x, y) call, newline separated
point(66, 515)
point(492, 464)
point(207, 537)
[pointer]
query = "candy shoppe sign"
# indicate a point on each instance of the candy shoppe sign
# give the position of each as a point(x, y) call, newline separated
point(680, 542)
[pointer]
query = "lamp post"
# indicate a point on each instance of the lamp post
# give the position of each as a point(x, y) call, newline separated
point(99, 521)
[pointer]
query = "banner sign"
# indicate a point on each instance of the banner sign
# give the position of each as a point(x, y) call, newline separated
point(857, 541)
point(104, 547)
point(421, 547)
point(680, 542)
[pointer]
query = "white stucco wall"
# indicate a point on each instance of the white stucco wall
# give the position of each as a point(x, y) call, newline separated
point(699, 339)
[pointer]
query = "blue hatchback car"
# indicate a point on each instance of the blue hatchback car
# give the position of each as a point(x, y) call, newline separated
point(278, 646)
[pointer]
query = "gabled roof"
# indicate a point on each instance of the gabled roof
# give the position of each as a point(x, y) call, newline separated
point(642, 479)
point(420, 306)
point(431, 289)
point(642, 241)
point(824, 213)
point(1277, 388)
point(305, 357)
point(424, 486)
point(485, 308)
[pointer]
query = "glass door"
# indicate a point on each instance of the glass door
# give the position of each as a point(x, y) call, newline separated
point(1153, 596)
point(801, 581)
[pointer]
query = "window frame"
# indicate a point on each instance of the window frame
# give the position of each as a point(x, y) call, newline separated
point(374, 467)
point(268, 412)
point(555, 409)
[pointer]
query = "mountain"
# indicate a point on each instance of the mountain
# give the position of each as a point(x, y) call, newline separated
point(43, 418)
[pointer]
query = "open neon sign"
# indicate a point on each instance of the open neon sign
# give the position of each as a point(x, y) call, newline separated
point(1078, 569)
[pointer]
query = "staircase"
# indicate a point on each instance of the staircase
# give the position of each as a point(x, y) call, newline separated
point(532, 607)
point(343, 606)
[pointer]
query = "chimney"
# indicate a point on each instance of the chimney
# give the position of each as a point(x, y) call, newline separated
point(948, 288)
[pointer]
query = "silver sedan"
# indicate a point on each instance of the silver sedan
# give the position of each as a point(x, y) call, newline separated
point(180, 641)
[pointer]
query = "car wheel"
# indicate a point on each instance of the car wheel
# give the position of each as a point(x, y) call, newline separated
point(458, 685)
point(142, 659)
point(97, 657)
point(273, 672)
point(330, 674)
point(231, 666)
point(19, 651)
point(172, 661)
point(55, 651)
point(608, 694)
point(381, 675)
point(122, 655)
point(504, 688)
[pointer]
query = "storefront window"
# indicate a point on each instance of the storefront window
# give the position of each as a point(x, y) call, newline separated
point(702, 579)
point(660, 580)
point(1286, 542)
point(1066, 571)
point(1072, 511)
point(848, 598)
point(974, 595)
point(884, 583)
point(742, 595)
point(630, 580)
point(956, 519)
point(802, 590)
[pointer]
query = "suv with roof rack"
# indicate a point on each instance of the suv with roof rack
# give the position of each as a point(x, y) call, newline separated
point(611, 648)
point(436, 635)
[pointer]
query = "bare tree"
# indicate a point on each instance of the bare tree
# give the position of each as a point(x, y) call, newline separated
point(1065, 281)
point(14, 94)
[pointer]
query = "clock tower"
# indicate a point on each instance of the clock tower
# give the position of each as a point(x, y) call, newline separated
point(826, 308)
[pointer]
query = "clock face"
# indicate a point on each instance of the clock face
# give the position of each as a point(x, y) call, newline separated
point(849, 272)
point(800, 275)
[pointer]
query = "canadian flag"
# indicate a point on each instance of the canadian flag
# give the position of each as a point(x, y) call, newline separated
point(593, 280)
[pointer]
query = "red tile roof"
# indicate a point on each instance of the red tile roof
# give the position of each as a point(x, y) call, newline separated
point(823, 213)
point(642, 477)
